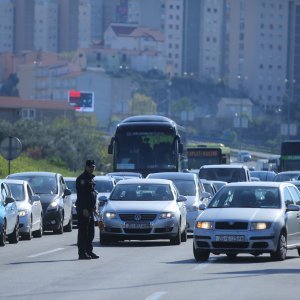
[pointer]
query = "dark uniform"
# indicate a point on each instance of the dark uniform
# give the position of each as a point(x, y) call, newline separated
point(86, 199)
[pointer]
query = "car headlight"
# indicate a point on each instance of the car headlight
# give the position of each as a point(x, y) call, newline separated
point(53, 206)
point(74, 205)
point(166, 215)
point(23, 213)
point(204, 225)
point(110, 215)
point(260, 225)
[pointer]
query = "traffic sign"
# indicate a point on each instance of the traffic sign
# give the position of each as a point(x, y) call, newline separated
point(10, 148)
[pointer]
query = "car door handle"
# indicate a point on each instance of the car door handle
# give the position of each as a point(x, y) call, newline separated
point(298, 216)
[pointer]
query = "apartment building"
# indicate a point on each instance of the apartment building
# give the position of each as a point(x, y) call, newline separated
point(6, 26)
point(46, 25)
point(257, 43)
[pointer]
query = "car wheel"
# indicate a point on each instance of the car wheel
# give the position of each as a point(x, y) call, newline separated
point(200, 255)
point(231, 255)
point(177, 239)
point(280, 253)
point(105, 240)
point(69, 226)
point(184, 235)
point(3, 235)
point(39, 232)
point(13, 238)
point(60, 229)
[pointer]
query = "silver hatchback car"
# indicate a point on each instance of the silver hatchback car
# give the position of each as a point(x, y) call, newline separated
point(139, 209)
point(250, 217)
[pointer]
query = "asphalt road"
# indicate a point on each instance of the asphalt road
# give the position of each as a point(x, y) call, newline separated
point(48, 268)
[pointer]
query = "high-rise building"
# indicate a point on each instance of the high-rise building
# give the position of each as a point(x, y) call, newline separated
point(24, 25)
point(293, 68)
point(256, 40)
point(46, 25)
point(90, 29)
point(6, 26)
point(173, 31)
point(68, 25)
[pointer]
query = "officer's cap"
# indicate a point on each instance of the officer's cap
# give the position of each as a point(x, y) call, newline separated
point(90, 163)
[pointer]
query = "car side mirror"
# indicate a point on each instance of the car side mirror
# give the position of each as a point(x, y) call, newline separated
point(202, 206)
point(67, 192)
point(181, 198)
point(35, 198)
point(102, 200)
point(9, 200)
point(206, 195)
point(293, 207)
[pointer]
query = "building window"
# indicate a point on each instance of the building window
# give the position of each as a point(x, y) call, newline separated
point(28, 113)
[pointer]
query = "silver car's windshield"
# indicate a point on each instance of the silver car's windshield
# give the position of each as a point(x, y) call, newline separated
point(252, 197)
point(142, 192)
point(17, 191)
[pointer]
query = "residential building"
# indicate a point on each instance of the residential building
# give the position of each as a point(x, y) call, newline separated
point(257, 42)
point(68, 25)
point(46, 25)
point(6, 26)
point(173, 31)
point(24, 25)
point(90, 29)
point(13, 109)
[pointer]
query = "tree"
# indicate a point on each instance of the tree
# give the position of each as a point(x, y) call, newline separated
point(141, 104)
point(9, 87)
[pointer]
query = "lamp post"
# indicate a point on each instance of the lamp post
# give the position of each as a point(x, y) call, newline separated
point(290, 98)
point(169, 98)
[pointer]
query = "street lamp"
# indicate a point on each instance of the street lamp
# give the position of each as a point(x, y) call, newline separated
point(169, 98)
point(290, 98)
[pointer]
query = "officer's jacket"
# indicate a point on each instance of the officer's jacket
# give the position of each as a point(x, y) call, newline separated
point(86, 194)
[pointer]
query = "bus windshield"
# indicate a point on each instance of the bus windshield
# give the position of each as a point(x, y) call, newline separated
point(197, 157)
point(290, 155)
point(147, 144)
point(136, 150)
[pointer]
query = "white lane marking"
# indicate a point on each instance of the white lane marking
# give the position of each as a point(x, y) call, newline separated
point(204, 265)
point(156, 295)
point(46, 252)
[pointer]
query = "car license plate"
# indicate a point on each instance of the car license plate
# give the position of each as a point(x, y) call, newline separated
point(137, 225)
point(230, 238)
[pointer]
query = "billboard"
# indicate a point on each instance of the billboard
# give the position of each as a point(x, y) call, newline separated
point(82, 101)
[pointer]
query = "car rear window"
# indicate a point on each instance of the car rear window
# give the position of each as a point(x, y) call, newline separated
point(223, 174)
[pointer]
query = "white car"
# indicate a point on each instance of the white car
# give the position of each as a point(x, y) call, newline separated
point(139, 209)
point(29, 208)
point(188, 185)
point(249, 217)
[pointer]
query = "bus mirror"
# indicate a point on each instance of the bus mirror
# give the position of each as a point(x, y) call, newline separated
point(180, 148)
point(110, 149)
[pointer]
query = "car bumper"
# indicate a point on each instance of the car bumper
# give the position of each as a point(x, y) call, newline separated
point(158, 229)
point(235, 242)
point(24, 224)
point(51, 220)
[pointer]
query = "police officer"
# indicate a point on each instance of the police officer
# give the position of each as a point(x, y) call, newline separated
point(85, 206)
